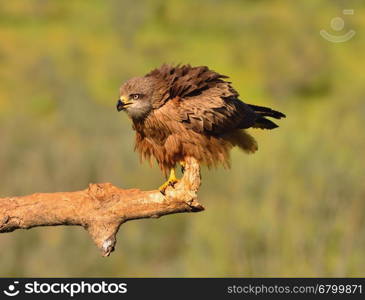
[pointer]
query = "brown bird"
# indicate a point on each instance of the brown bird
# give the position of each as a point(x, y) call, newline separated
point(184, 111)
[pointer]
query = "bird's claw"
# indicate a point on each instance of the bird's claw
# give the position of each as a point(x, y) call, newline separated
point(170, 182)
point(182, 164)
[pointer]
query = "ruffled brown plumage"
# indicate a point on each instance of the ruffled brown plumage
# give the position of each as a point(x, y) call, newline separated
point(192, 111)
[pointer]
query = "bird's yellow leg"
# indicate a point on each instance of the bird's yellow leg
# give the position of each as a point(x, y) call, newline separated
point(171, 181)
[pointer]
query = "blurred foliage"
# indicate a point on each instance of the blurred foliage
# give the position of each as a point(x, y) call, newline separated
point(296, 208)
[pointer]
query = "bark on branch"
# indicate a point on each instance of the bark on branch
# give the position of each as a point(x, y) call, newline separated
point(101, 208)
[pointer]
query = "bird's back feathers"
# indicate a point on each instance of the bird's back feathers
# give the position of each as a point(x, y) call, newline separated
point(187, 81)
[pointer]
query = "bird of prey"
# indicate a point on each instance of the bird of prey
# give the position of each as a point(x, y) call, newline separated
point(183, 111)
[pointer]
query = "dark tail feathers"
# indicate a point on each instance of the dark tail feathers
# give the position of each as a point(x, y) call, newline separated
point(262, 112)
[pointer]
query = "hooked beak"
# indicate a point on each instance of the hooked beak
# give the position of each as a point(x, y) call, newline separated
point(123, 103)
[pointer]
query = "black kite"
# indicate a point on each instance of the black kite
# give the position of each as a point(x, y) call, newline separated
point(182, 111)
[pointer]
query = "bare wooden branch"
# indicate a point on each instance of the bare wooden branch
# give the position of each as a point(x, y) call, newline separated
point(101, 208)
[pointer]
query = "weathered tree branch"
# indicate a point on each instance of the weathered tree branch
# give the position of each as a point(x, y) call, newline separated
point(101, 208)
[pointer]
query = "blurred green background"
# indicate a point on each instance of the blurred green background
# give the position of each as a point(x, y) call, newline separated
point(295, 208)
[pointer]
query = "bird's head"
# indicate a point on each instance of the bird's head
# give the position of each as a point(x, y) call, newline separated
point(137, 96)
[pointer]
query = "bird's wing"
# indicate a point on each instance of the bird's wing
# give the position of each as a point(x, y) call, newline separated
point(211, 113)
point(208, 103)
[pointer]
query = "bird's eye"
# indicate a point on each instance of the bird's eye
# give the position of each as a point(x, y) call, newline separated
point(135, 96)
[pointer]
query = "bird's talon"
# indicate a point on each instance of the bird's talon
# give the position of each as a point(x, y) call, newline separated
point(182, 163)
point(162, 189)
point(170, 182)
